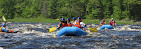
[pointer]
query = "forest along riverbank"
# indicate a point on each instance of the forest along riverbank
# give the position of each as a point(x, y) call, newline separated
point(36, 35)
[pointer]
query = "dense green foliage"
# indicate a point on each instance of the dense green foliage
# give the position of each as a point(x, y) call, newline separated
point(89, 9)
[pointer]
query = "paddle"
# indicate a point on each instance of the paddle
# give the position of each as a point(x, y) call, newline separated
point(93, 29)
point(53, 28)
point(3, 18)
point(56, 29)
point(56, 26)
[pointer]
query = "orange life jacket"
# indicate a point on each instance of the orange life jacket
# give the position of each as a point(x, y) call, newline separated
point(69, 24)
point(77, 25)
point(0, 29)
point(63, 25)
point(101, 23)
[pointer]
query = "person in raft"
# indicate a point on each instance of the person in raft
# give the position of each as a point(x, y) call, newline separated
point(74, 21)
point(68, 23)
point(3, 29)
point(62, 24)
point(83, 26)
point(77, 24)
point(80, 24)
point(102, 22)
point(112, 22)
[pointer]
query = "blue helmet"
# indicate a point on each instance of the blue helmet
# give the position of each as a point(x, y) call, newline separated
point(74, 18)
point(79, 18)
point(68, 19)
point(62, 18)
point(3, 24)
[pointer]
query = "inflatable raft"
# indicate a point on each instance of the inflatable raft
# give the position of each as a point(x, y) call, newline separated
point(71, 31)
point(106, 26)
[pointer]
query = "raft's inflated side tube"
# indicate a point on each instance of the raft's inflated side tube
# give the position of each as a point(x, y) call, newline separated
point(71, 31)
point(106, 26)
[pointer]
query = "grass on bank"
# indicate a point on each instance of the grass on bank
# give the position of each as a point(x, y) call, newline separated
point(87, 21)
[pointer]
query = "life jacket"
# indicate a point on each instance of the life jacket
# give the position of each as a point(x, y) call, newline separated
point(0, 29)
point(69, 24)
point(102, 23)
point(62, 25)
point(111, 22)
point(77, 25)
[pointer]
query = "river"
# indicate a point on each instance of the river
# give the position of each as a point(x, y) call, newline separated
point(36, 36)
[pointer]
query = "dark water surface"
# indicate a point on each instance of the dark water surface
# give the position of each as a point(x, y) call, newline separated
point(36, 36)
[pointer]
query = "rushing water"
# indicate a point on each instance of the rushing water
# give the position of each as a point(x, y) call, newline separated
point(36, 36)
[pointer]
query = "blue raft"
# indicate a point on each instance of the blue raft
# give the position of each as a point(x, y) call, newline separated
point(71, 31)
point(106, 26)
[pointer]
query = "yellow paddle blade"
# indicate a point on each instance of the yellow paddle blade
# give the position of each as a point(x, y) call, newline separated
point(52, 29)
point(3, 18)
point(93, 29)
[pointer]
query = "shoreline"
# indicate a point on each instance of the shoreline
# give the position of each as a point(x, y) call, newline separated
point(54, 21)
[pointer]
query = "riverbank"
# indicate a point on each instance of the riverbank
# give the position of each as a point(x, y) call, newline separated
point(87, 21)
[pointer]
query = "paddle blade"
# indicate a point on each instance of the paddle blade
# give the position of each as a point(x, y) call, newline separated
point(93, 29)
point(52, 29)
point(3, 18)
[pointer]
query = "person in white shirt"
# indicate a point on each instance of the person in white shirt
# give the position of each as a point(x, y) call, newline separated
point(74, 21)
